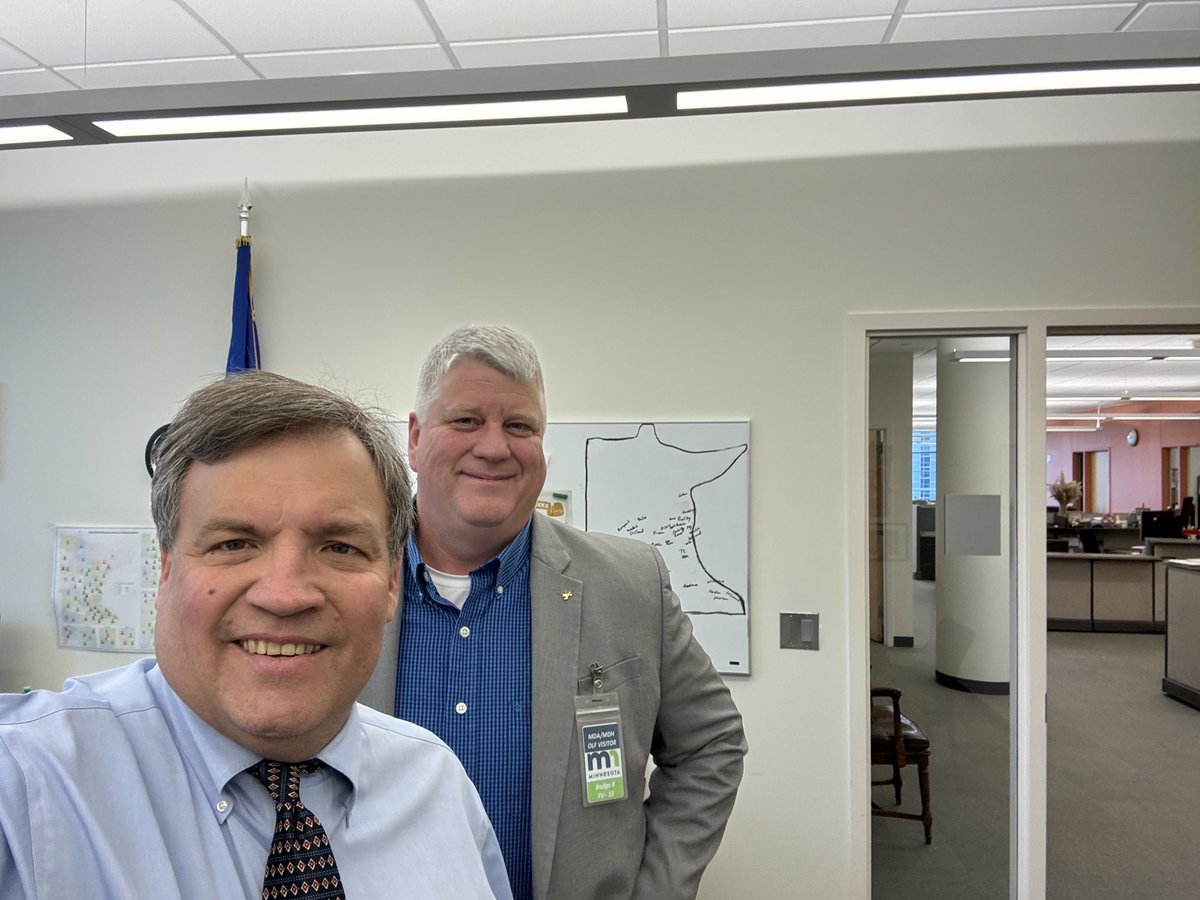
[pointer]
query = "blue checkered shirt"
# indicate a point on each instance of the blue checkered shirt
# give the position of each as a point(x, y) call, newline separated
point(466, 677)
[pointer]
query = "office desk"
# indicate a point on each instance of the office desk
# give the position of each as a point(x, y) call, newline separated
point(1112, 538)
point(1173, 548)
point(1181, 678)
point(1103, 592)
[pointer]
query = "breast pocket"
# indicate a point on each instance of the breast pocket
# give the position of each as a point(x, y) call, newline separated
point(612, 675)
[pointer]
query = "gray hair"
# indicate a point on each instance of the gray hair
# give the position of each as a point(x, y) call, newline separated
point(253, 408)
point(497, 346)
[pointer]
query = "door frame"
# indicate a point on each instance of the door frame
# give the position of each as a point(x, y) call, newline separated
point(1027, 800)
point(1027, 647)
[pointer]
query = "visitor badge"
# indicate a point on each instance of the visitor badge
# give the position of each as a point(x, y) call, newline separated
point(598, 718)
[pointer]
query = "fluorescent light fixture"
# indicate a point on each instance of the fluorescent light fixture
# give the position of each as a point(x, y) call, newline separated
point(32, 134)
point(932, 86)
point(1001, 356)
point(1059, 358)
point(367, 117)
point(1155, 417)
point(1128, 417)
point(1067, 401)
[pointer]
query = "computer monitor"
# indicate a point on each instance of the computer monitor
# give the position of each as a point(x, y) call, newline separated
point(1160, 523)
point(1087, 540)
point(1187, 512)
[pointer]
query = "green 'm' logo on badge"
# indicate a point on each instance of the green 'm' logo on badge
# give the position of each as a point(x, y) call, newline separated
point(603, 774)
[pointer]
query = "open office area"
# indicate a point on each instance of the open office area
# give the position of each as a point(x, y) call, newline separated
point(1122, 566)
point(708, 266)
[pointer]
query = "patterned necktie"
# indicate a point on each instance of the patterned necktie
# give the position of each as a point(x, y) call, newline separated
point(300, 863)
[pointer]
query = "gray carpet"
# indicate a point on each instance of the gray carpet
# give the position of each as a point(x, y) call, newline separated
point(1124, 777)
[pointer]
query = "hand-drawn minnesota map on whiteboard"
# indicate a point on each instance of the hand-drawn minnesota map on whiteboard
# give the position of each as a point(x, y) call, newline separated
point(683, 487)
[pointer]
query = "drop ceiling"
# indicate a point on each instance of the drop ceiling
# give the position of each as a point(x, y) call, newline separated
point(126, 54)
point(1074, 388)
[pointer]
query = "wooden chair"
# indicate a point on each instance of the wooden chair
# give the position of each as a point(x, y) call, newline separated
point(897, 742)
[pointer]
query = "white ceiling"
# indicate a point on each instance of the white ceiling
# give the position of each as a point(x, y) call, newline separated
point(1065, 380)
point(79, 45)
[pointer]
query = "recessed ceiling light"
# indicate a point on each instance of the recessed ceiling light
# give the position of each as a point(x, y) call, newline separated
point(1106, 358)
point(933, 86)
point(32, 134)
point(360, 117)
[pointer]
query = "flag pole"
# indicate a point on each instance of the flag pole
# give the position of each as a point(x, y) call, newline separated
point(243, 342)
point(244, 208)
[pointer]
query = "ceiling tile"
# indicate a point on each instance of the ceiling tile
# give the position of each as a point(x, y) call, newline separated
point(70, 32)
point(180, 71)
point(747, 38)
point(31, 82)
point(430, 57)
point(585, 48)
point(1012, 22)
point(11, 58)
point(481, 20)
point(1167, 17)
point(701, 13)
point(264, 25)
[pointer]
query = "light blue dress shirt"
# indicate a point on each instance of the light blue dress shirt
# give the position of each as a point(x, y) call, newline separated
point(115, 789)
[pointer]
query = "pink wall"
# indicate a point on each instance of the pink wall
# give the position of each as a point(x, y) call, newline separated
point(1135, 473)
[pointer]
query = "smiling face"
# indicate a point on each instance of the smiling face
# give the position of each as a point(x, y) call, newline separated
point(273, 600)
point(478, 455)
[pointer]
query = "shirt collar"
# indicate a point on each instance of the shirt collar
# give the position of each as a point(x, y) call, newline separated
point(217, 759)
point(513, 559)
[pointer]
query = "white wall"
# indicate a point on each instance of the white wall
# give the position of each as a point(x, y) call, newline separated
point(669, 269)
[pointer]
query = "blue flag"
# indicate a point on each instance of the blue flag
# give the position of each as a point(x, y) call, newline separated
point(243, 341)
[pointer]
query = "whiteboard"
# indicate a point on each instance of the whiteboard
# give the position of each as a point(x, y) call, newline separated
point(683, 487)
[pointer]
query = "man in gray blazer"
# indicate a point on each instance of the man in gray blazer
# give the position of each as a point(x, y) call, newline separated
point(556, 663)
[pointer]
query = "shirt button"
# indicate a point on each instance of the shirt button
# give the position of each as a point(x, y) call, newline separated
point(222, 806)
point(460, 707)
point(464, 631)
point(499, 589)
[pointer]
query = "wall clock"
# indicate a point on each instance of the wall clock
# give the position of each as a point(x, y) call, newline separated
point(152, 446)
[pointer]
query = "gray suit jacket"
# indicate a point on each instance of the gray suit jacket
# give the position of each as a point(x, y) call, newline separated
point(608, 600)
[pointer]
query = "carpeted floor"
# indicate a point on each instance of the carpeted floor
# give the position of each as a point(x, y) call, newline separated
point(1123, 777)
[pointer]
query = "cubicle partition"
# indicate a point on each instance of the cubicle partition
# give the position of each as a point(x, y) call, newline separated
point(1181, 666)
point(1104, 592)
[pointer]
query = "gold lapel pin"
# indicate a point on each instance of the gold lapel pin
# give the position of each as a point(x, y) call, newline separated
point(567, 595)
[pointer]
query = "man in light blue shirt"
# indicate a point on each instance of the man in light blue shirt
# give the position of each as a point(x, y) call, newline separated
point(282, 510)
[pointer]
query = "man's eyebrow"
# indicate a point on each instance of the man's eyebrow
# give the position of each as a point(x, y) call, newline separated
point(462, 409)
point(333, 527)
point(347, 527)
point(236, 526)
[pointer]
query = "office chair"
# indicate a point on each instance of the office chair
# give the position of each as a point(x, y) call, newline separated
point(1087, 540)
point(897, 742)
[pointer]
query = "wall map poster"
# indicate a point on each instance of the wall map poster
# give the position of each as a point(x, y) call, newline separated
point(105, 583)
point(683, 487)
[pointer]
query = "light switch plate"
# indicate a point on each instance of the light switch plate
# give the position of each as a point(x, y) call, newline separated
point(799, 631)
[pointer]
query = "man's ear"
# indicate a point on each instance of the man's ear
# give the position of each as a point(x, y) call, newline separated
point(414, 439)
point(394, 589)
point(164, 560)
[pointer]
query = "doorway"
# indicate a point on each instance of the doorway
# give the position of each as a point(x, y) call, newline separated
point(954, 664)
point(1121, 403)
